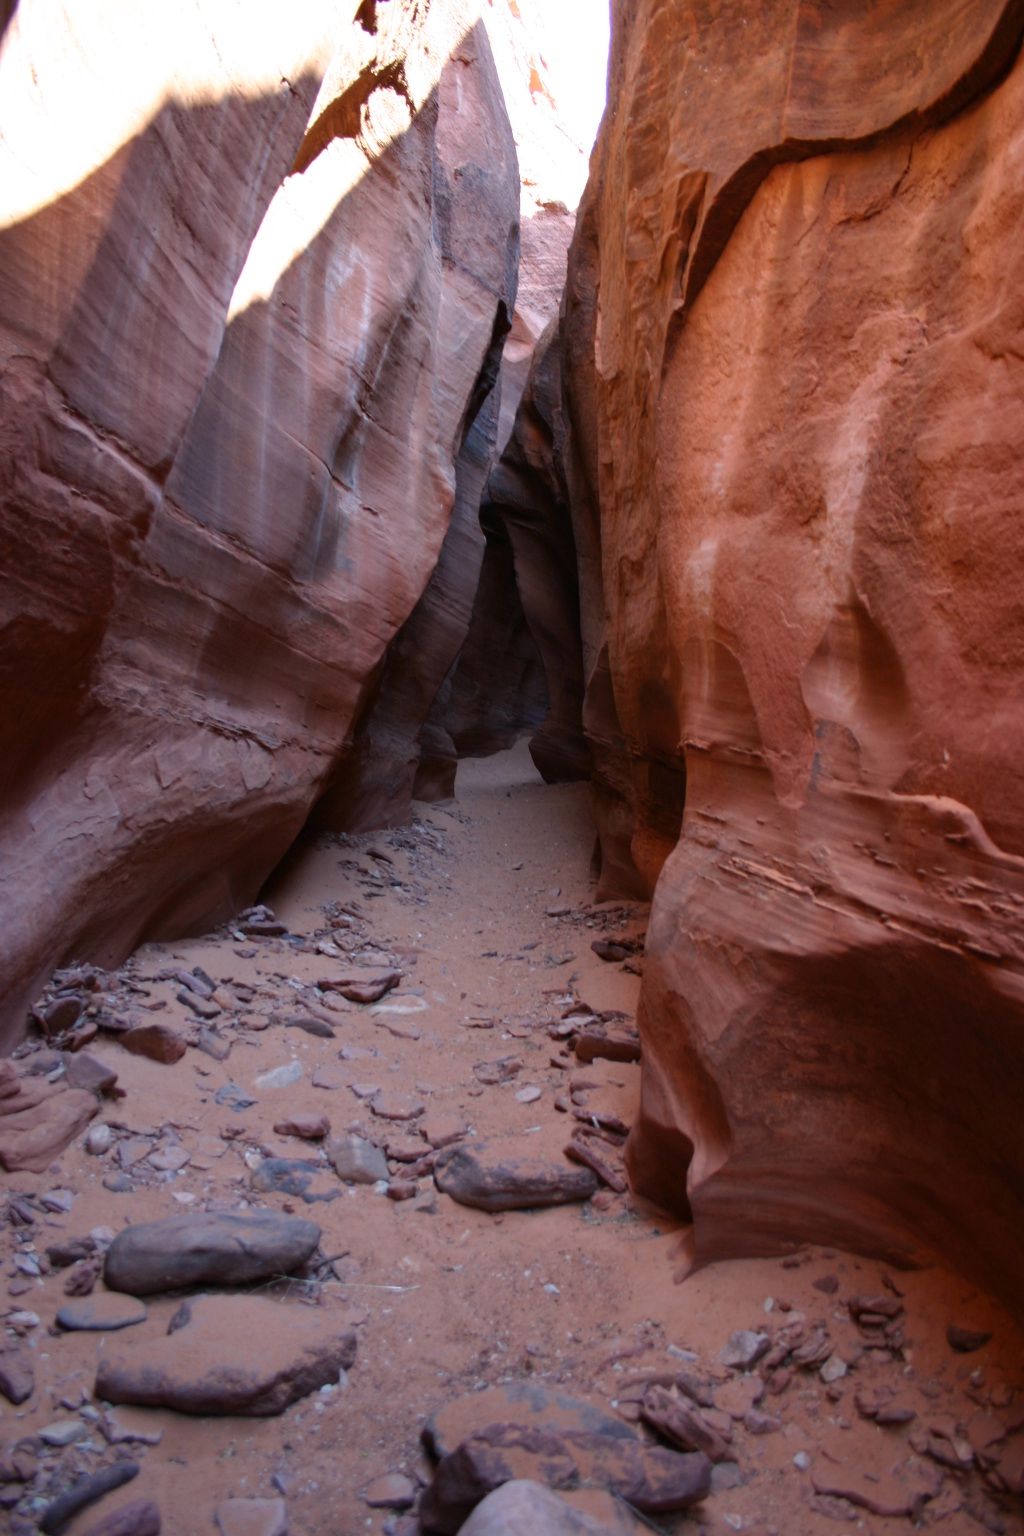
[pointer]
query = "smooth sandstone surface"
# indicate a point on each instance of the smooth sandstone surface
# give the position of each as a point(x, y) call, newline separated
point(247, 321)
point(792, 341)
point(38, 1119)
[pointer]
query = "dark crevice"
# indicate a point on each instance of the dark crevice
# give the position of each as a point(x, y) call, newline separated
point(489, 369)
point(367, 16)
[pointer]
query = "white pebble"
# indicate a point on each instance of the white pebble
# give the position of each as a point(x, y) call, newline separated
point(99, 1140)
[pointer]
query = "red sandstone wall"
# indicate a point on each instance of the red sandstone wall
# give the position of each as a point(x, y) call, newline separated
point(247, 296)
point(794, 343)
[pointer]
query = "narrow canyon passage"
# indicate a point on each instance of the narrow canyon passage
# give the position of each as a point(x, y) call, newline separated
point(485, 907)
point(403, 403)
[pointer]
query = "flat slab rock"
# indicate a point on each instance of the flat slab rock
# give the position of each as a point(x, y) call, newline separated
point(242, 1355)
point(500, 1175)
point(882, 1493)
point(17, 1374)
point(522, 1508)
point(102, 1312)
point(207, 1249)
point(252, 1517)
point(396, 1106)
point(356, 1160)
point(392, 1491)
point(85, 1071)
point(139, 1518)
point(519, 1402)
point(304, 1127)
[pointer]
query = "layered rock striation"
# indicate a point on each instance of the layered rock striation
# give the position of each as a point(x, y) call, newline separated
point(247, 328)
point(792, 340)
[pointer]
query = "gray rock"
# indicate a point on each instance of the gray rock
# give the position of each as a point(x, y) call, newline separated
point(59, 1201)
point(357, 1161)
point(102, 1312)
point(392, 1491)
point(83, 1492)
point(130, 1426)
point(725, 1476)
point(252, 1517)
point(202, 1007)
point(63, 1432)
point(212, 1043)
point(17, 1377)
point(234, 1097)
point(500, 1175)
point(307, 1180)
point(169, 1159)
point(242, 1355)
point(132, 1151)
point(522, 1508)
point(281, 1077)
point(207, 1249)
point(744, 1349)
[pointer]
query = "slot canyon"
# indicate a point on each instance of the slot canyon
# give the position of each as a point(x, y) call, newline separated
point(512, 823)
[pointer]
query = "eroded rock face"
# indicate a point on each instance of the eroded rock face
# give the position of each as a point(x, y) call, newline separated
point(246, 323)
point(417, 718)
point(796, 398)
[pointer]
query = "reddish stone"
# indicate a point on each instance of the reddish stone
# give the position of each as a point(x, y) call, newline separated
point(305, 1127)
point(157, 1042)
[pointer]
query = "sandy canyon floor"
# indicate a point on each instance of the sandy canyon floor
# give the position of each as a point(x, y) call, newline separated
point(486, 907)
